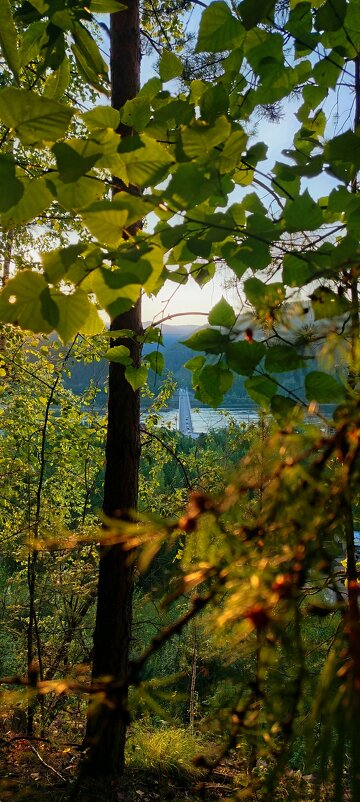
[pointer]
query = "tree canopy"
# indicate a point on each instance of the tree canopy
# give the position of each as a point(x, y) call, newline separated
point(249, 555)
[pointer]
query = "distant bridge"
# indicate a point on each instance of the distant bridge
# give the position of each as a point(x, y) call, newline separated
point(185, 424)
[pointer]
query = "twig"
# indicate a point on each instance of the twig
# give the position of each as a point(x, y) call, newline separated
point(47, 765)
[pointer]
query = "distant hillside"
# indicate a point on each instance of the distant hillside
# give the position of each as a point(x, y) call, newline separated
point(175, 355)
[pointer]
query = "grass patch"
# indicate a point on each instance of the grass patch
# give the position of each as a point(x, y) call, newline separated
point(163, 751)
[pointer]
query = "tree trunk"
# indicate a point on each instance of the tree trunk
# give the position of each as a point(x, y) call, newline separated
point(106, 726)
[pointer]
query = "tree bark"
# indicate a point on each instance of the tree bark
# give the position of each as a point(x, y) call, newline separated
point(106, 726)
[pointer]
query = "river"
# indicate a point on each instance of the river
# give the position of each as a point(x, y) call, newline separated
point(206, 419)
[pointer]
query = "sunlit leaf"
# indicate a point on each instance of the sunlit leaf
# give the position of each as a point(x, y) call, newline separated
point(101, 117)
point(136, 376)
point(34, 118)
point(8, 37)
point(22, 299)
point(119, 353)
point(31, 42)
point(74, 309)
point(219, 29)
point(35, 198)
point(170, 66)
point(57, 82)
point(222, 314)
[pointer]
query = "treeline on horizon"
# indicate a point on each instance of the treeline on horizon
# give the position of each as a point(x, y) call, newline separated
point(176, 354)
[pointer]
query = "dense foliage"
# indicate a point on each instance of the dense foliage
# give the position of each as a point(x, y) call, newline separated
point(243, 581)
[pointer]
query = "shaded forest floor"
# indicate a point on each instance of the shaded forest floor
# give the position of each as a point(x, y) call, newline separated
point(39, 772)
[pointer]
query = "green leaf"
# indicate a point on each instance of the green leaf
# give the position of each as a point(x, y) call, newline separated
point(150, 88)
point(195, 363)
point(107, 219)
point(234, 259)
point(106, 6)
point(151, 335)
point(85, 70)
point(89, 50)
point(31, 42)
point(285, 410)
point(222, 314)
point(264, 296)
point(189, 186)
point(22, 299)
point(35, 198)
point(344, 148)
point(326, 71)
point(101, 117)
point(297, 270)
point(261, 389)
point(136, 113)
point(232, 152)
point(243, 357)
point(285, 182)
point(331, 15)
point(254, 12)
point(264, 51)
point(252, 253)
point(200, 138)
point(212, 382)
point(71, 164)
point(214, 102)
point(145, 160)
point(34, 118)
point(281, 358)
point(209, 340)
point(57, 263)
point(170, 66)
point(73, 309)
point(8, 38)
point(89, 61)
point(57, 82)
point(42, 6)
point(323, 388)
point(156, 361)
point(120, 354)
point(93, 323)
point(14, 187)
point(136, 376)
point(219, 29)
point(327, 304)
point(303, 214)
point(76, 195)
point(116, 291)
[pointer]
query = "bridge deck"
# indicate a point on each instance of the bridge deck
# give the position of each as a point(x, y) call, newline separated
point(185, 424)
